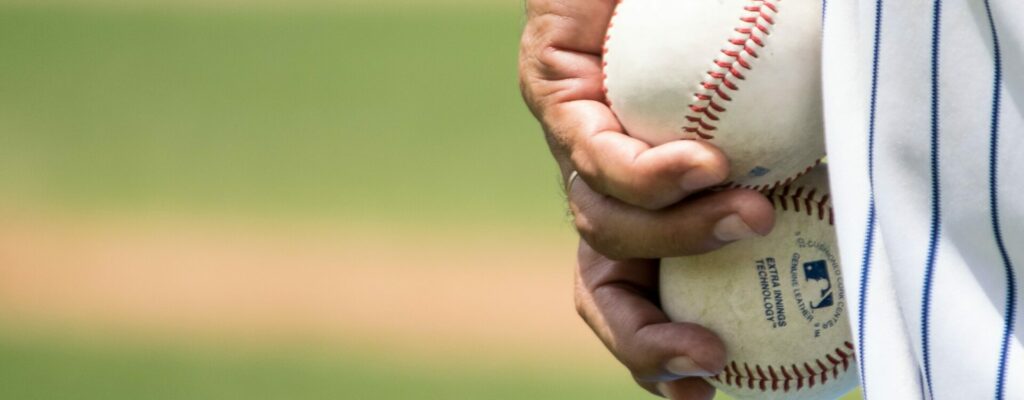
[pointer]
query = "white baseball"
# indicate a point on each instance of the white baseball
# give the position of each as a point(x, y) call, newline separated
point(742, 74)
point(777, 302)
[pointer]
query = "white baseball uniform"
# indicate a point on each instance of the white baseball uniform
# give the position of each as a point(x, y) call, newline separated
point(924, 115)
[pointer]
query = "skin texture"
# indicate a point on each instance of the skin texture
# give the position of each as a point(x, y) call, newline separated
point(632, 203)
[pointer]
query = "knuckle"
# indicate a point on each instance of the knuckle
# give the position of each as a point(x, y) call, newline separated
point(703, 156)
point(646, 187)
point(640, 372)
point(649, 386)
point(628, 190)
point(592, 231)
point(592, 223)
point(581, 305)
point(712, 163)
point(609, 246)
point(605, 242)
point(581, 161)
point(587, 228)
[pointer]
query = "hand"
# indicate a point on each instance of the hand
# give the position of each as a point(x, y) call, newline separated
point(627, 202)
point(618, 299)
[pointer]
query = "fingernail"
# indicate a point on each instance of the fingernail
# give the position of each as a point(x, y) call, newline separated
point(732, 228)
point(698, 179)
point(684, 366)
point(664, 390)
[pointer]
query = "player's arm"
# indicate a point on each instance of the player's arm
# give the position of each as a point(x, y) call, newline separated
point(628, 202)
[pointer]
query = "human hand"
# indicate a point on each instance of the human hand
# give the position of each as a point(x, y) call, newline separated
point(618, 300)
point(627, 203)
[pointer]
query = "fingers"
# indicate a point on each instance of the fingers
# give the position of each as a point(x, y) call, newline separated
point(576, 25)
point(686, 389)
point(662, 350)
point(562, 82)
point(629, 169)
point(560, 51)
point(618, 300)
point(698, 225)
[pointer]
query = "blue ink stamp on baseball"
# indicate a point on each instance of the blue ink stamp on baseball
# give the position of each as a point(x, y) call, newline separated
point(817, 283)
point(758, 172)
point(816, 273)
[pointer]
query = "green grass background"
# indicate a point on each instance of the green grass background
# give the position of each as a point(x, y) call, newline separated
point(69, 368)
point(411, 112)
point(405, 114)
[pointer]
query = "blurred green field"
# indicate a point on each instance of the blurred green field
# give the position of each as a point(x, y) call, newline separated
point(63, 367)
point(411, 113)
point(404, 114)
point(71, 369)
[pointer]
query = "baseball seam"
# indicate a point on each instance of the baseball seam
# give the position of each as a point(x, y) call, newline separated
point(604, 53)
point(767, 186)
point(786, 378)
point(802, 199)
point(728, 66)
point(758, 18)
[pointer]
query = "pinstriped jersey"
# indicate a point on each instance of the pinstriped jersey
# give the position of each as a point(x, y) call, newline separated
point(924, 113)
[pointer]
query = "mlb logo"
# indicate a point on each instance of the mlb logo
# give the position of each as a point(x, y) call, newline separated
point(816, 274)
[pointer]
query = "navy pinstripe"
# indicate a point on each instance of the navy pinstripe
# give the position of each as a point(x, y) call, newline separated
point(936, 221)
point(869, 236)
point(1011, 279)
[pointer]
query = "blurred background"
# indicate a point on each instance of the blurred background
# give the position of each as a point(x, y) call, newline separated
point(281, 199)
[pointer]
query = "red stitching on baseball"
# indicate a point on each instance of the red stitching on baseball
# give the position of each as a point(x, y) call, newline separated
point(604, 53)
point(758, 17)
point(762, 188)
point(817, 374)
point(787, 197)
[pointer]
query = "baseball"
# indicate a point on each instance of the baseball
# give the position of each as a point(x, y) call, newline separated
point(777, 302)
point(741, 74)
